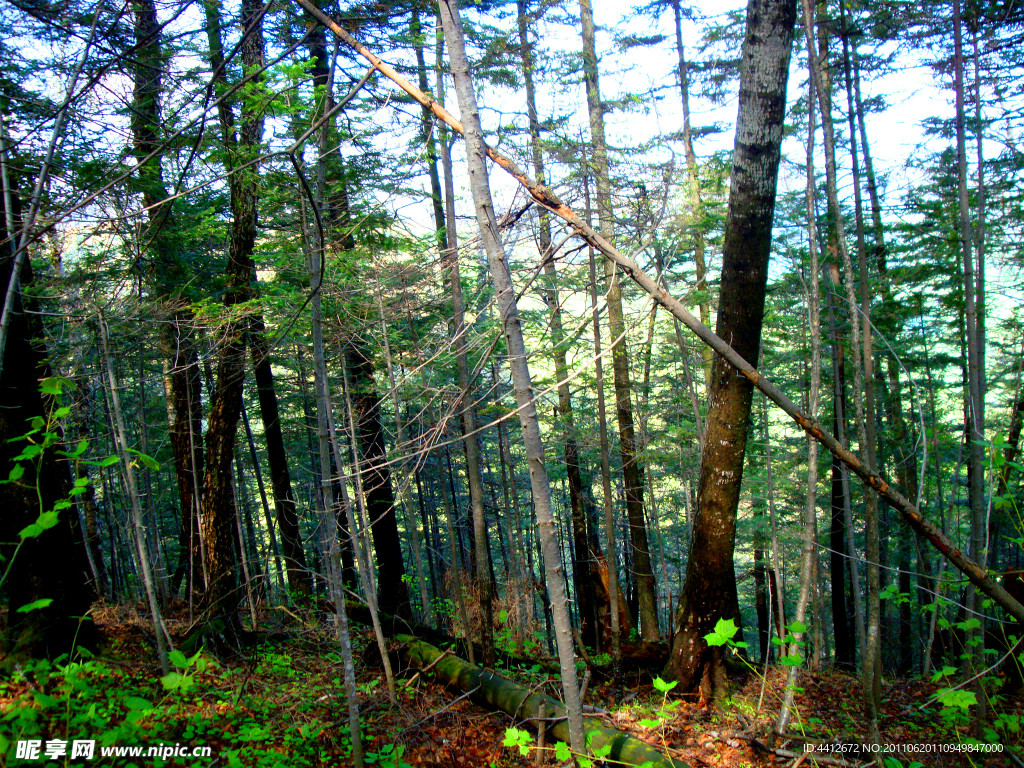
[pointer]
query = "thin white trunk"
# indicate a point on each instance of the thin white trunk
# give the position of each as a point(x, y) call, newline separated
point(506, 298)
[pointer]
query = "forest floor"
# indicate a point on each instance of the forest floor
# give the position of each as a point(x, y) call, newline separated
point(283, 706)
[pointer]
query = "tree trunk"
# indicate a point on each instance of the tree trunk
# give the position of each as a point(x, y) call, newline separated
point(217, 511)
point(632, 470)
point(506, 299)
point(299, 578)
point(975, 376)
point(592, 601)
point(53, 565)
point(376, 479)
point(696, 201)
point(138, 528)
point(470, 439)
point(167, 274)
point(709, 591)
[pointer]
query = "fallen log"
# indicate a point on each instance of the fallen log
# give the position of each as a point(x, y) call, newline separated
point(495, 692)
point(392, 626)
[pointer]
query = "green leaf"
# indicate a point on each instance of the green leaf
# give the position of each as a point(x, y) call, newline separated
point(47, 520)
point(649, 722)
point(137, 702)
point(16, 473)
point(60, 413)
point(585, 762)
point(30, 531)
point(603, 751)
point(562, 751)
point(963, 699)
point(148, 461)
point(725, 630)
point(109, 461)
point(53, 385)
point(791, 661)
point(45, 701)
point(177, 658)
point(502, 616)
point(35, 605)
point(944, 672)
point(797, 627)
point(663, 686)
point(175, 681)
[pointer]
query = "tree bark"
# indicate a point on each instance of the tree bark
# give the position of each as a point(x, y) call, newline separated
point(506, 299)
point(299, 578)
point(167, 273)
point(53, 565)
point(592, 600)
point(709, 591)
point(694, 193)
point(217, 511)
point(632, 470)
point(376, 478)
point(975, 376)
point(470, 439)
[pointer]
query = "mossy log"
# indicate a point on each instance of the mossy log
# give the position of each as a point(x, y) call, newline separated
point(392, 626)
point(495, 692)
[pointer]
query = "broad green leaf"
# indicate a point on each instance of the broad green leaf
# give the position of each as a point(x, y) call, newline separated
point(944, 672)
point(137, 702)
point(562, 751)
point(952, 698)
point(30, 531)
point(47, 520)
point(148, 461)
point(16, 473)
point(725, 630)
point(797, 627)
point(603, 751)
point(791, 661)
point(175, 681)
point(35, 605)
point(664, 686)
point(648, 722)
point(53, 385)
point(177, 658)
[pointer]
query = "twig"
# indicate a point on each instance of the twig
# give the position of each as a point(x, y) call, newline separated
point(427, 668)
point(813, 756)
point(441, 711)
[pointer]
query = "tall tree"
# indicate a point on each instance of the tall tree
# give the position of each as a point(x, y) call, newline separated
point(506, 299)
point(52, 565)
point(709, 591)
point(168, 274)
point(218, 511)
point(632, 469)
point(593, 596)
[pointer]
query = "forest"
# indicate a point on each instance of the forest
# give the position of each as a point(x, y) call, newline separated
point(521, 383)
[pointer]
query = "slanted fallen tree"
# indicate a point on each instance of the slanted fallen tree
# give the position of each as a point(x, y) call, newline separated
point(543, 196)
point(496, 692)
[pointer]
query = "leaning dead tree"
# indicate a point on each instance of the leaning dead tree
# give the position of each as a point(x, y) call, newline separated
point(543, 196)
